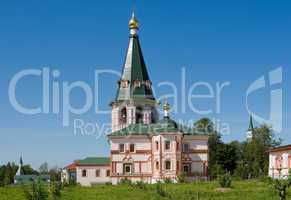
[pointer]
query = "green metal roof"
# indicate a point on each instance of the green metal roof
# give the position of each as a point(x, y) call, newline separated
point(134, 70)
point(164, 125)
point(94, 161)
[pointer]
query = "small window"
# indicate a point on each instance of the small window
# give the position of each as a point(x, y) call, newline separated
point(139, 115)
point(108, 173)
point(84, 173)
point(178, 165)
point(127, 168)
point(148, 84)
point(157, 145)
point(186, 147)
point(97, 173)
point(157, 165)
point(187, 168)
point(131, 148)
point(124, 83)
point(121, 148)
point(168, 165)
point(136, 83)
point(167, 145)
point(123, 116)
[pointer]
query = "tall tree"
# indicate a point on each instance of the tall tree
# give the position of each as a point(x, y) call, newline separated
point(10, 172)
point(2, 175)
point(206, 126)
point(43, 169)
point(28, 170)
point(256, 158)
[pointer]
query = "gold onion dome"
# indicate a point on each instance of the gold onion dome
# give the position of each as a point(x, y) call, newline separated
point(166, 106)
point(133, 23)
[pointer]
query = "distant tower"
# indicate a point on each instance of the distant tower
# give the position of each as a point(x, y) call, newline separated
point(250, 130)
point(134, 101)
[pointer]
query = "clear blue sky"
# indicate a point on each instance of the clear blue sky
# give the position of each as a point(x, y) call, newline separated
point(216, 41)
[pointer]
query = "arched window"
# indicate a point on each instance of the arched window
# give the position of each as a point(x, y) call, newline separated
point(97, 173)
point(107, 172)
point(279, 160)
point(168, 165)
point(84, 173)
point(123, 116)
point(138, 115)
point(157, 165)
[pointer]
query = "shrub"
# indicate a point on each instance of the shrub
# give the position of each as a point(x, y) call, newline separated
point(181, 178)
point(168, 180)
point(225, 181)
point(141, 185)
point(35, 191)
point(160, 190)
point(125, 181)
point(55, 189)
point(281, 187)
point(108, 183)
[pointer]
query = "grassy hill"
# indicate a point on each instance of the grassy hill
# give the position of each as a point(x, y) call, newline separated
point(246, 190)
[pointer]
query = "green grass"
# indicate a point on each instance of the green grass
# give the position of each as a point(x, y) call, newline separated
point(246, 190)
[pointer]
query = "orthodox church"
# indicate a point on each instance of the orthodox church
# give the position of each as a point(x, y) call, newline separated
point(142, 146)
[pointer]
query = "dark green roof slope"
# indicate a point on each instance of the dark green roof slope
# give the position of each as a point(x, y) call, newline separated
point(134, 70)
point(94, 161)
point(164, 125)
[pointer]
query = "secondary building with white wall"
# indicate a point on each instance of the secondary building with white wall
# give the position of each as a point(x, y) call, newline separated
point(280, 161)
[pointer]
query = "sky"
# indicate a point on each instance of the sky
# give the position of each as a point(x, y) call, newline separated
point(186, 44)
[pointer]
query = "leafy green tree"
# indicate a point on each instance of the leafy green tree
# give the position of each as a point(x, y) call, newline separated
point(28, 170)
point(206, 126)
point(55, 174)
point(255, 155)
point(2, 175)
point(43, 169)
point(10, 172)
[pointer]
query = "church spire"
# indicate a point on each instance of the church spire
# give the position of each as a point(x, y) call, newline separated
point(251, 126)
point(134, 82)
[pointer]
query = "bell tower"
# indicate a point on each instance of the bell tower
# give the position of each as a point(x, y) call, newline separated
point(249, 133)
point(134, 101)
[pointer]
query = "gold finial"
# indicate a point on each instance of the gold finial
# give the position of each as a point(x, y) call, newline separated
point(133, 23)
point(166, 108)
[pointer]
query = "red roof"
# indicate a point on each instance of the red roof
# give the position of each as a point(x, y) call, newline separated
point(281, 148)
point(71, 166)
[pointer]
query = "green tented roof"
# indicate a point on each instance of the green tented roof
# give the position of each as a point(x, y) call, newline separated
point(94, 161)
point(164, 125)
point(134, 70)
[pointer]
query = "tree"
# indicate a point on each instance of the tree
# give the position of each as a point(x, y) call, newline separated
point(206, 126)
point(28, 170)
point(228, 156)
point(9, 173)
point(256, 158)
point(55, 174)
point(43, 169)
point(2, 175)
